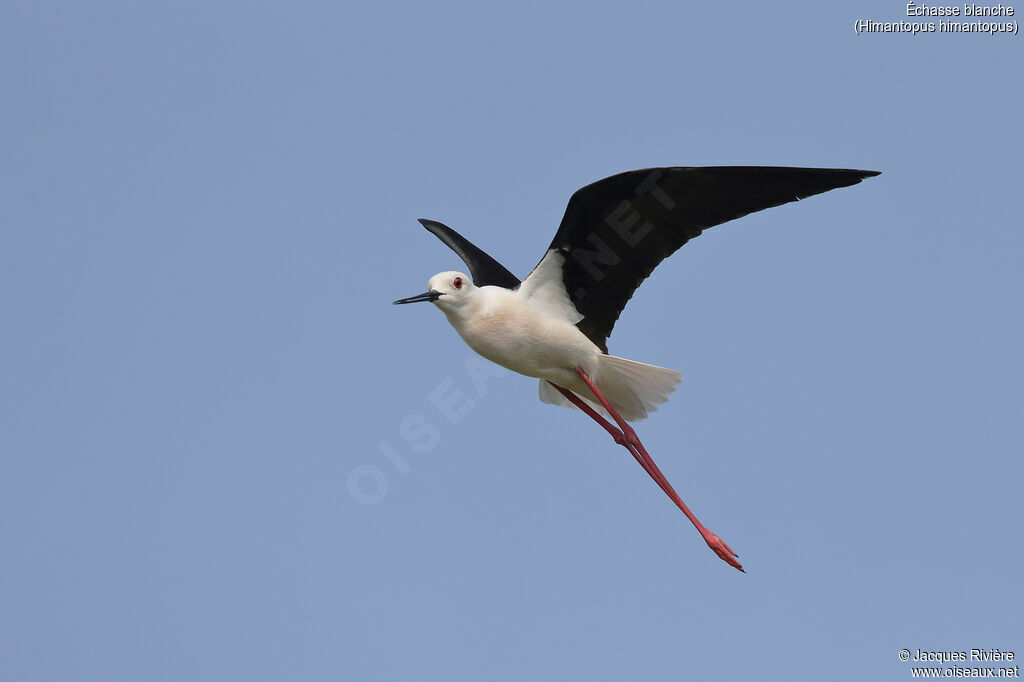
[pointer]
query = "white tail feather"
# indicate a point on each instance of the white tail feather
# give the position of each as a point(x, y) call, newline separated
point(550, 395)
point(634, 389)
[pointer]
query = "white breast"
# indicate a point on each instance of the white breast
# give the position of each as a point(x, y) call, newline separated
point(504, 327)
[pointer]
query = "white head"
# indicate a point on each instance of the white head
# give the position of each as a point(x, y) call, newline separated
point(449, 291)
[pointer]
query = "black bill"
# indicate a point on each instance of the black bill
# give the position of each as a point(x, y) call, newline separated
point(428, 296)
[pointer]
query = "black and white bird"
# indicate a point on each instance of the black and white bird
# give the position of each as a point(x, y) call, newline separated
point(554, 325)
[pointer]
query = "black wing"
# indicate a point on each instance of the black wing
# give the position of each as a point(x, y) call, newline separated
point(616, 231)
point(484, 269)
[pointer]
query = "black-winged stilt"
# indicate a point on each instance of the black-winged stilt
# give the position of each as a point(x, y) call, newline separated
point(554, 325)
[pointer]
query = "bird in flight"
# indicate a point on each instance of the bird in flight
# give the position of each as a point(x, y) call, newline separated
point(554, 325)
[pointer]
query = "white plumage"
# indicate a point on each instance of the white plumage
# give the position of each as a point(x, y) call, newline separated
point(532, 330)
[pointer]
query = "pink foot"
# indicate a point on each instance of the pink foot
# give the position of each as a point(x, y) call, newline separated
point(723, 550)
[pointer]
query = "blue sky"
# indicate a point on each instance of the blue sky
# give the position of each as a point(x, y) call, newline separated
point(208, 208)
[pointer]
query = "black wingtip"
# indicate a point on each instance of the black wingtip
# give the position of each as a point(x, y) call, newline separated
point(484, 269)
point(852, 176)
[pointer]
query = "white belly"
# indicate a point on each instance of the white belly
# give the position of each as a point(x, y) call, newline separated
point(514, 335)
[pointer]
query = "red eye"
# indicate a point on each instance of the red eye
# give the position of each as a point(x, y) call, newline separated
point(457, 282)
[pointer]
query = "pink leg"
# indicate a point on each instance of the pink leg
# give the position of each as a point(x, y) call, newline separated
point(632, 442)
point(615, 433)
